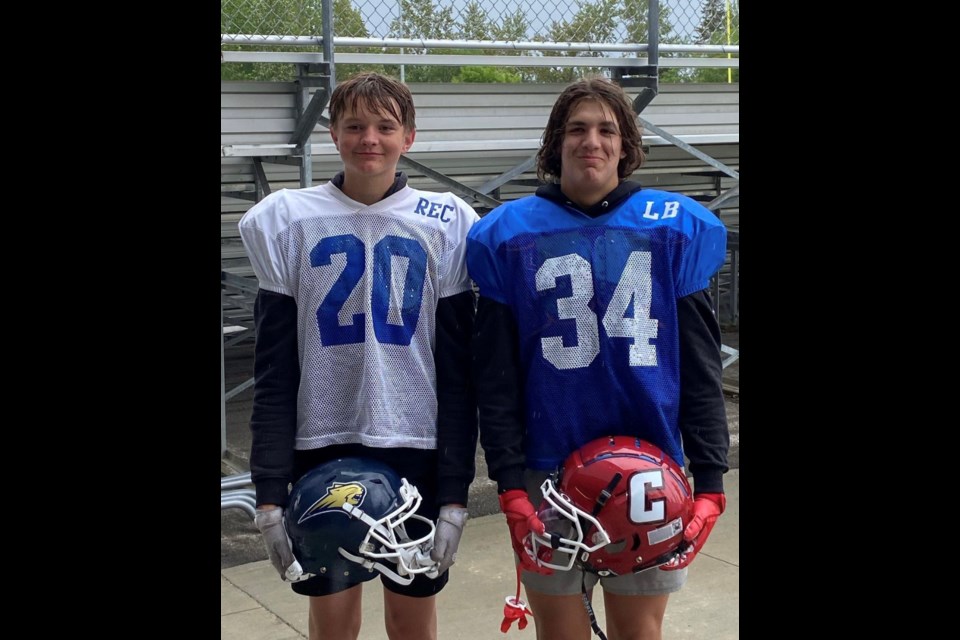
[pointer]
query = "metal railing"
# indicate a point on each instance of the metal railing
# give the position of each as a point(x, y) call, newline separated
point(236, 492)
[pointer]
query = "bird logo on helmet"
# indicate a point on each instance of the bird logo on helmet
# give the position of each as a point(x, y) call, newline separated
point(339, 494)
point(619, 506)
point(377, 506)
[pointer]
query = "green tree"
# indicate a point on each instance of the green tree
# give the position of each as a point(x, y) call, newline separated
point(426, 20)
point(476, 26)
point(348, 23)
point(636, 15)
point(592, 23)
point(423, 19)
point(713, 18)
point(512, 29)
point(713, 30)
point(488, 74)
point(288, 17)
point(258, 17)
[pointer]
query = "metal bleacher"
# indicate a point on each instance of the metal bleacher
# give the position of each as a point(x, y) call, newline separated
point(471, 135)
point(236, 492)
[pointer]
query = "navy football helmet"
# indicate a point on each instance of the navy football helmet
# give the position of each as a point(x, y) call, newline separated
point(619, 506)
point(348, 515)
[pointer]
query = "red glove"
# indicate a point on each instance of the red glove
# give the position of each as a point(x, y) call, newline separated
point(707, 507)
point(515, 609)
point(522, 518)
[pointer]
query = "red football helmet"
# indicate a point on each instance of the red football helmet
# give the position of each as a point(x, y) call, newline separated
point(620, 506)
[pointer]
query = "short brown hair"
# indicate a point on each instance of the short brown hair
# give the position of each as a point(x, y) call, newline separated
point(604, 91)
point(379, 93)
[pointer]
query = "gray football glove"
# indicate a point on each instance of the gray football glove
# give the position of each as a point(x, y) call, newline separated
point(275, 538)
point(447, 539)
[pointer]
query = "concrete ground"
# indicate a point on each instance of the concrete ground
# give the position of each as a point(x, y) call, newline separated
point(256, 605)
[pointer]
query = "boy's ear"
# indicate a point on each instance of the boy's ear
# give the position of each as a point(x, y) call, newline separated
point(333, 136)
point(408, 137)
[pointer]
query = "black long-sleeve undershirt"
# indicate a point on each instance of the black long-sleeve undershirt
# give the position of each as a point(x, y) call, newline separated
point(703, 414)
point(276, 370)
point(497, 372)
point(456, 398)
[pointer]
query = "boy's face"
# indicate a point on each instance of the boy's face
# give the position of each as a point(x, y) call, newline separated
point(370, 143)
point(591, 150)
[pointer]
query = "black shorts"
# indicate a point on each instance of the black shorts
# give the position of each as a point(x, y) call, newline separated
point(419, 467)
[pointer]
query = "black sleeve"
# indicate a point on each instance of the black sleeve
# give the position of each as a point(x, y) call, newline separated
point(276, 371)
point(703, 416)
point(456, 399)
point(496, 369)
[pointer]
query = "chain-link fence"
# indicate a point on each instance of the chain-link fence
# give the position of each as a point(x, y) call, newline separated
point(690, 22)
point(467, 40)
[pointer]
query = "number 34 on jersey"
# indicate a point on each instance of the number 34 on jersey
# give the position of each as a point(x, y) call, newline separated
point(627, 315)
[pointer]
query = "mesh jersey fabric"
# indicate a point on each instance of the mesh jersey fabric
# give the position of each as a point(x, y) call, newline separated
point(595, 300)
point(366, 280)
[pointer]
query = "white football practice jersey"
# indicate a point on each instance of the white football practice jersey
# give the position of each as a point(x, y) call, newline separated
point(366, 280)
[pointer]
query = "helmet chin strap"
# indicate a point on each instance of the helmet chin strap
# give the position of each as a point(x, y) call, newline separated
point(366, 563)
point(602, 499)
point(589, 606)
point(606, 493)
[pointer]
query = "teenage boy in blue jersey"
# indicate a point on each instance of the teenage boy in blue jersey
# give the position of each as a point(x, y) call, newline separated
point(594, 320)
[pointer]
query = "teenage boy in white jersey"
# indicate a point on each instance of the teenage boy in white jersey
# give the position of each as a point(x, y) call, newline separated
point(364, 317)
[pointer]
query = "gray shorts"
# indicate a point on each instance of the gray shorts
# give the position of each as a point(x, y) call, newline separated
point(652, 582)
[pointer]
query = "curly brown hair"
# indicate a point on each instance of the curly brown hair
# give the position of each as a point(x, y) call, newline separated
point(607, 93)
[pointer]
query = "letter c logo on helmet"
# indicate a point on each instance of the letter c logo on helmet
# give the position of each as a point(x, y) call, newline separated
point(619, 506)
point(349, 516)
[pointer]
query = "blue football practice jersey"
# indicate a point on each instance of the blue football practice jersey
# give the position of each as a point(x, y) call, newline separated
point(595, 301)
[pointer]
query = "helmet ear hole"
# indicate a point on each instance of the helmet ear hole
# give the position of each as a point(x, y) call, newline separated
point(615, 547)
